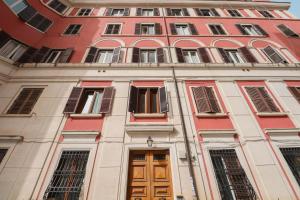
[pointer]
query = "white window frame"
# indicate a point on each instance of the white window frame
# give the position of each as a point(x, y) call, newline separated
point(120, 30)
point(106, 54)
point(148, 25)
point(257, 32)
point(189, 52)
point(187, 28)
point(14, 4)
point(148, 49)
point(143, 9)
point(239, 56)
point(214, 24)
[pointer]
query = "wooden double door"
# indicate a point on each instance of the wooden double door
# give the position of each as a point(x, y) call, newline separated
point(149, 176)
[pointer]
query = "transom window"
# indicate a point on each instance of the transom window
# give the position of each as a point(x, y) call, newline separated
point(113, 29)
point(147, 12)
point(72, 29)
point(13, 50)
point(90, 101)
point(84, 12)
point(148, 56)
point(191, 56)
point(234, 13)
point(234, 56)
point(117, 12)
point(217, 29)
point(105, 56)
point(182, 29)
point(147, 29)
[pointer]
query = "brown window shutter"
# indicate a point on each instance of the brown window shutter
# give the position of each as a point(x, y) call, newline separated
point(287, 31)
point(41, 55)
point(108, 12)
point(295, 92)
point(157, 29)
point(73, 100)
point(126, 12)
point(224, 55)
point(273, 55)
point(116, 55)
point(31, 101)
point(248, 55)
point(204, 55)
point(137, 30)
point(179, 54)
point(185, 12)
point(270, 102)
point(133, 99)
point(66, 55)
point(214, 105)
point(135, 55)
point(27, 56)
point(201, 100)
point(107, 100)
point(173, 29)
point(193, 29)
point(241, 29)
point(91, 57)
point(160, 55)
point(4, 38)
point(197, 11)
point(163, 98)
point(215, 12)
point(27, 13)
point(156, 12)
point(169, 11)
point(261, 30)
point(139, 12)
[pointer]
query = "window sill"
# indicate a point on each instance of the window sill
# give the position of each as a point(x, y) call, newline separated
point(271, 114)
point(16, 115)
point(212, 115)
point(151, 115)
point(86, 115)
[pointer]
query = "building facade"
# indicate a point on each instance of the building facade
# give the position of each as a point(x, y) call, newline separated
point(149, 100)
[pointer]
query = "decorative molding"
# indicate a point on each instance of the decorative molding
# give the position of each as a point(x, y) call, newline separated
point(282, 131)
point(142, 128)
point(12, 137)
point(218, 132)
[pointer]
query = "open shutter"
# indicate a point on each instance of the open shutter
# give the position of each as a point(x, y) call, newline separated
point(201, 100)
point(204, 55)
point(272, 106)
point(257, 99)
point(242, 30)
point(185, 12)
point(160, 55)
point(27, 13)
point(197, 11)
point(133, 99)
point(91, 57)
point(215, 12)
point(193, 29)
point(135, 55)
point(173, 29)
point(116, 55)
point(41, 55)
point(108, 12)
point(73, 100)
point(163, 98)
point(66, 55)
point(169, 11)
point(137, 30)
point(126, 12)
point(139, 12)
point(224, 55)
point(214, 105)
point(4, 38)
point(156, 11)
point(261, 30)
point(107, 99)
point(26, 57)
point(157, 28)
point(295, 92)
point(248, 55)
point(179, 54)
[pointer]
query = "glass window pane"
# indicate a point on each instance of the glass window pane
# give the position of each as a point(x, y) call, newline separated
point(88, 103)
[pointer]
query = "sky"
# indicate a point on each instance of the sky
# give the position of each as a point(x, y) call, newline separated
point(295, 8)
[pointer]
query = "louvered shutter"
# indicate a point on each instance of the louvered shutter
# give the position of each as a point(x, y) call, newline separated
point(45, 24)
point(204, 55)
point(261, 30)
point(116, 55)
point(179, 54)
point(27, 13)
point(137, 30)
point(224, 55)
point(139, 12)
point(197, 11)
point(135, 55)
point(214, 11)
point(169, 11)
point(201, 100)
point(4, 38)
point(163, 98)
point(213, 102)
point(248, 55)
point(193, 29)
point(41, 55)
point(91, 57)
point(126, 12)
point(108, 12)
point(156, 12)
point(17, 104)
point(107, 100)
point(273, 55)
point(287, 31)
point(185, 12)
point(295, 92)
point(66, 55)
point(73, 100)
point(31, 101)
point(272, 106)
point(157, 29)
point(133, 99)
point(173, 29)
point(27, 56)
point(160, 55)
point(242, 30)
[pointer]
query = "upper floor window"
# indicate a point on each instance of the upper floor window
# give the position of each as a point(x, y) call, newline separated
point(147, 12)
point(147, 29)
point(148, 55)
point(206, 100)
point(12, 49)
point(295, 92)
point(183, 29)
point(177, 12)
point(117, 12)
point(206, 12)
point(217, 29)
point(105, 55)
point(266, 13)
point(292, 157)
point(96, 55)
point(40, 22)
point(58, 6)
point(234, 13)
point(250, 29)
point(240, 55)
point(113, 29)
point(73, 29)
point(192, 55)
point(84, 12)
point(287, 31)
point(2, 154)
point(273, 55)
point(16, 5)
point(54, 55)
point(234, 56)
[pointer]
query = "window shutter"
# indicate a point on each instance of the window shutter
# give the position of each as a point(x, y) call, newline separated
point(31, 101)
point(135, 55)
point(214, 11)
point(173, 29)
point(197, 11)
point(66, 55)
point(157, 29)
point(45, 24)
point(4, 38)
point(272, 106)
point(201, 99)
point(295, 92)
point(133, 99)
point(273, 55)
point(139, 12)
point(261, 99)
point(248, 55)
point(73, 100)
point(262, 31)
point(179, 54)
point(242, 30)
point(137, 30)
point(185, 12)
point(107, 99)
point(116, 55)
point(91, 57)
point(160, 55)
point(27, 13)
point(224, 55)
point(156, 12)
point(126, 12)
point(204, 55)
point(214, 105)
point(169, 11)
point(163, 98)
point(41, 55)
point(193, 29)
point(27, 56)
point(287, 31)
point(108, 12)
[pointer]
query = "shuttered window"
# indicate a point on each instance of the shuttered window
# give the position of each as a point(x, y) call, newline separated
point(96, 55)
point(84, 12)
point(261, 99)
point(2, 154)
point(292, 157)
point(68, 178)
point(90, 100)
point(251, 29)
point(148, 29)
point(206, 12)
point(113, 29)
point(266, 13)
point(147, 12)
point(148, 100)
point(206, 100)
point(58, 6)
point(47, 55)
point(117, 12)
point(25, 101)
point(148, 55)
point(234, 13)
point(232, 180)
point(287, 31)
point(273, 55)
point(13, 50)
point(295, 92)
point(72, 29)
point(217, 29)
point(40, 22)
point(179, 12)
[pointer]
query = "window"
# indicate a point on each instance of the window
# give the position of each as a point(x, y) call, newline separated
point(25, 101)
point(40, 22)
point(118, 12)
point(182, 29)
point(217, 29)
point(240, 55)
point(295, 92)
point(206, 100)
point(58, 6)
point(206, 12)
point(53, 56)
point(90, 101)
point(177, 12)
point(113, 29)
point(266, 13)
point(273, 55)
point(287, 31)
point(13, 50)
point(2, 154)
point(72, 29)
point(234, 56)
point(250, 29)
point(148, 56)
point(191, 56)
point(147, 29)
point(148, 100)
point(84, 12)
point(96, 55)
point(232, 180)
point(261, 99)
point(68, 177)
point(16, 5)
point(105, 56)
point(234, 13)
point(147, 12)
point(292, 157)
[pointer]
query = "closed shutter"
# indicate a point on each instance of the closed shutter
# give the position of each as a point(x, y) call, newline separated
point(273, 55)
point(66, 55)
point(173, 29)
point(41, 55)
point(137, 30)
point(45, 24)
point(139, 12)
point(179, 54)
point(169, 11)
point(204, 55)
point(214, 105)
point(27, 13)
point(73, 100)
point(91, 57)
point(160, 55)
point(185, 12)
point(126, 12)
point(108, 12)
point(224, 55)
point(197, 11)
point(27, 56)
point(242, 30)
point(295, 92)
point(287, 31)
point(193, 29)
point(201, 100)
point(135, 55)
point(248, 55)
point(4, 38)
point(133, 99)
point(214, 11)
point(31, 101)
point(157, 29)
point(116, 55)
point(261, 30)
point(107, 100)
point(156, 12)
point(268, 100)
point(163, 98)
